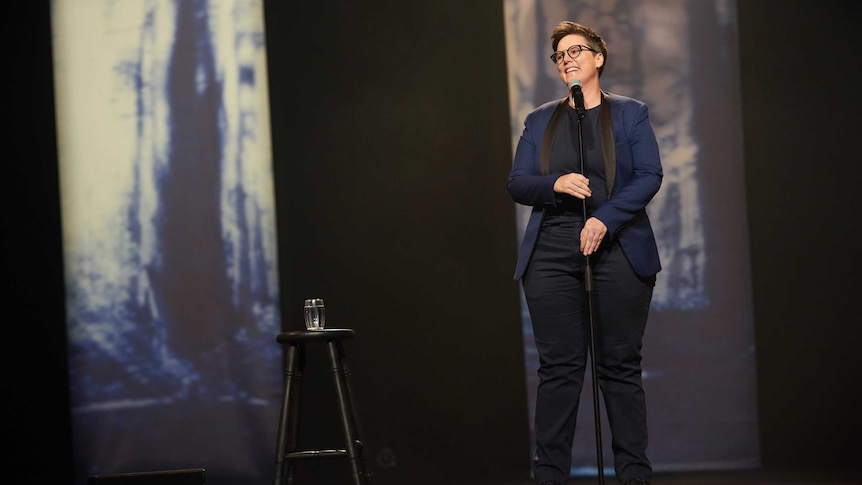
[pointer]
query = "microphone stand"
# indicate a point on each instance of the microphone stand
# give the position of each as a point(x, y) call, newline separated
point(588, 284)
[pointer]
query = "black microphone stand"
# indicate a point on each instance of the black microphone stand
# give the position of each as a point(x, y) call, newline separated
point(588, 284)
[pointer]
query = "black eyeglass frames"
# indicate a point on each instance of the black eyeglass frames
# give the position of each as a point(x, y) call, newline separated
point(574, 51)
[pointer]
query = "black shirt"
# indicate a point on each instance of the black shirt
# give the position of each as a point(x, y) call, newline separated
point(566, 158)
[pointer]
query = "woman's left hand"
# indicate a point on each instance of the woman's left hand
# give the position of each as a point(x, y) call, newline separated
point(591, 235)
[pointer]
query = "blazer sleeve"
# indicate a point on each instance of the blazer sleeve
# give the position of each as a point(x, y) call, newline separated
point(526, 184)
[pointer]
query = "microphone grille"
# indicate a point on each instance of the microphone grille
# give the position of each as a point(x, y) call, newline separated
point(575, 82)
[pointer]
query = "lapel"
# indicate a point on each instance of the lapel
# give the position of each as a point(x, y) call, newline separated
point(548, 138)
point(608, 149)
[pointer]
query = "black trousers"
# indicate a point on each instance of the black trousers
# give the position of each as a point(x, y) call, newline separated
point(558, 305)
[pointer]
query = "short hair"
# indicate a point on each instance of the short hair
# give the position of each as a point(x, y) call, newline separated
point(595, 40)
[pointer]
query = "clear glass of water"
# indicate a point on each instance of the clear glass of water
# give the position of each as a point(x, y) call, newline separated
point(315, 314)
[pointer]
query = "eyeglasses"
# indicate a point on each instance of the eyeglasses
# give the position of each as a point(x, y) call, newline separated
point(574, 51)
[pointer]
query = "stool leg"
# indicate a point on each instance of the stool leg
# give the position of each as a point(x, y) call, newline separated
point(347, 408)
point(288, 423)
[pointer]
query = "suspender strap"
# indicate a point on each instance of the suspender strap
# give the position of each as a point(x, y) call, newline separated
point(610, 153)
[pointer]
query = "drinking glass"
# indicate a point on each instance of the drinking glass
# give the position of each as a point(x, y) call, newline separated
point(315, 314)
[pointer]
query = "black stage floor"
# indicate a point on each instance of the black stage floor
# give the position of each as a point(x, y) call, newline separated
point(736, 477)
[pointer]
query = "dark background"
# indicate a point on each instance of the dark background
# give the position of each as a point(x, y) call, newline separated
point(391, 148)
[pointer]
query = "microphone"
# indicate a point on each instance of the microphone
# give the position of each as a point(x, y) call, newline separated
point(578, 97)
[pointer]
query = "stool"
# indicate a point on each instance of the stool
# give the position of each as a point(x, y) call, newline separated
point(288, 424)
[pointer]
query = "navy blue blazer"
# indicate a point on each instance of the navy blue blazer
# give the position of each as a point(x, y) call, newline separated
point(637, 179)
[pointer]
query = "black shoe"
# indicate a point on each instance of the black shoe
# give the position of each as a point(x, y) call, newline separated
point(551, 483)
point(637, 481)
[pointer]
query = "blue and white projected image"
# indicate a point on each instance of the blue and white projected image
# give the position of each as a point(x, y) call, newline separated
point(169, 235)
point(699, 356)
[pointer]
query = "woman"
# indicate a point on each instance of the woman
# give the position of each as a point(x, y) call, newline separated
point(596, 214)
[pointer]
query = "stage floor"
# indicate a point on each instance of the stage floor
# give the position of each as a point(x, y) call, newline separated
point(737, 477)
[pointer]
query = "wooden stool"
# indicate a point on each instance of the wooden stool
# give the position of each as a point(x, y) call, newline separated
point(288, 424)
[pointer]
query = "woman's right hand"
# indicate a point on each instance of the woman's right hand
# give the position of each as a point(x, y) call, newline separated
point(573, 184)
